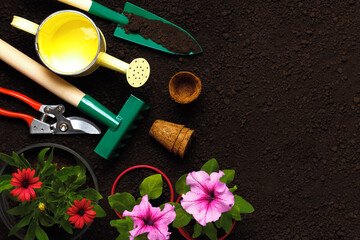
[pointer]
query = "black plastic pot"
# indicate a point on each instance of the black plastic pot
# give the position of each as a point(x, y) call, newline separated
point(9, 220)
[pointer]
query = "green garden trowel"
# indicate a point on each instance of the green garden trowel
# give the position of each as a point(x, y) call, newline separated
point(119, 18)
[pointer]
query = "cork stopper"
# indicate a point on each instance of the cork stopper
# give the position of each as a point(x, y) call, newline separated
point(174, 137)
point(184, 87)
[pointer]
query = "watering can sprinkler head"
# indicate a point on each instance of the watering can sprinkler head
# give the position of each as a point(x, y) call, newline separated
point(138, 72)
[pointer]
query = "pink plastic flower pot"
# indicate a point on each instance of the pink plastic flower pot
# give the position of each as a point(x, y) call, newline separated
point(187, 235)
point(137, 167)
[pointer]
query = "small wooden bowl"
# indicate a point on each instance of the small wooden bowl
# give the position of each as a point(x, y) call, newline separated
point(184, 87)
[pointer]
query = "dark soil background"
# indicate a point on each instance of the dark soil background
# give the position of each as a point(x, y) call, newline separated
point(280, 104)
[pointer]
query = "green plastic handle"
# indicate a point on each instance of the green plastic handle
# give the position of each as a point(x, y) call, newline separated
point(101, 11)
point(96, 110)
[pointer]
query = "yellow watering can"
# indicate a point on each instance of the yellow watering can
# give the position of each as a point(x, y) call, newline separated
point(69, 43)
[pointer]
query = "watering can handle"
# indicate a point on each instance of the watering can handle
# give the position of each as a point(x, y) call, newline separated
point(112, 63)
point(25, 25)
point(80, 4)
point(98, 10)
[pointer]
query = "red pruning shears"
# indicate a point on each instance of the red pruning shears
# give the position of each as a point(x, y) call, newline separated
point(63, 125)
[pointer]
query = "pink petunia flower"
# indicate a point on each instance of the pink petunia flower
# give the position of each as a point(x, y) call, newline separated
point(208, 198)
point(151, 219)
point(25, 183)
point(81, 213)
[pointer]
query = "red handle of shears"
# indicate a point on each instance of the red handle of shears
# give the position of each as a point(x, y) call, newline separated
point(36, 105)
point(25, 117)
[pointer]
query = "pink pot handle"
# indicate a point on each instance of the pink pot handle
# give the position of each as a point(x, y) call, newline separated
point(142, 166)
point(187, 236)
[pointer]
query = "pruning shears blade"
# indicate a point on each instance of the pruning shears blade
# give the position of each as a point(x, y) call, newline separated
point(82, 125)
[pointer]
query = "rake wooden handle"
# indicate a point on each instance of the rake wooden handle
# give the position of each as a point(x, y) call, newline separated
point(40, 74)
point(57, 85)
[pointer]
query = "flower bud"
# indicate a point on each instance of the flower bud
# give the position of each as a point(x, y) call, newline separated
point(41, 206)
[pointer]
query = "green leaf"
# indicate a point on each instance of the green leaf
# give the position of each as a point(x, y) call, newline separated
point(233, 189)
point(8, 159)
point(240, 206)
point(74, 196)
point(49, 195)
point(51, 170)
point(60, 209)
point(68, 172)
point(197, 230)
point(30, 233)
point(182, 217)
point(90, 194)
point(20, 210)
point(24, 161)
point(40, 233)
point(122, 201)
point(41, 157)
point(217, 224)
point(122, 237)
point(210, 231)
point(5, 186)
point(141, 237)
point(180, 185)
point(58, 186)
point(123, 225)
point(81, 178)
point(46, 220)
point(228, 177)
point(48, 161)
point(99, 210)
point(18, 161)
point(235, 211)
point(152, 186)
point(210, 166)
point(22, 223)
point(5, 182)
point(70, 182)
point(65, 172)
point(226, 222)
point(66, 225)
point(245, 206)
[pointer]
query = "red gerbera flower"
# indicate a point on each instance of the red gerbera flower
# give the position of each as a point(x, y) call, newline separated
point(81, 213)
point(25, 182)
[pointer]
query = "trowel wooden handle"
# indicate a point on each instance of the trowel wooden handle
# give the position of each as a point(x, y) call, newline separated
point(98, 10)
point(40, 74)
